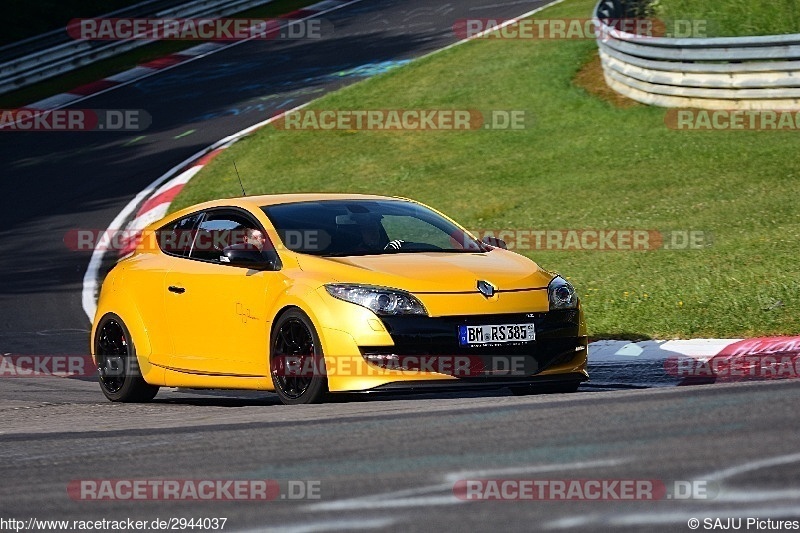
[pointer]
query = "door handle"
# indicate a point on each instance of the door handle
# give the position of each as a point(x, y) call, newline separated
point(176, 289)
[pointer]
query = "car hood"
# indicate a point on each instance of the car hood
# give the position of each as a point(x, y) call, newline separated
point(432, 272)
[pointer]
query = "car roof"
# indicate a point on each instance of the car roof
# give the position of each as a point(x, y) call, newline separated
point(253, 203)
point(275, 199)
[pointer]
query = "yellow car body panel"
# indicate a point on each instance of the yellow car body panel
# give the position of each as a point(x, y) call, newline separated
point(116, 298)
point(217, 333)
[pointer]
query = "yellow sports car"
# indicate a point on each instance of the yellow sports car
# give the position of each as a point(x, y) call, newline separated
point(310, 294)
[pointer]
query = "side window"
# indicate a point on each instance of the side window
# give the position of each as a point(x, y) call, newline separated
point(223, 228)
point(176, 238)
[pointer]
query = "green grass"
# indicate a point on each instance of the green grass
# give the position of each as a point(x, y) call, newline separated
point(113, 65)
point(582, 164)
point(734, 18)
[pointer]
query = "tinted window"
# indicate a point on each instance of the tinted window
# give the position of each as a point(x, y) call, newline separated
point(366, 227)
point(176, 238)
point(220, 229)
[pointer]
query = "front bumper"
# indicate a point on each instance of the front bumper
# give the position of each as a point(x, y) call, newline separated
point(432, 343)
point(542, 383)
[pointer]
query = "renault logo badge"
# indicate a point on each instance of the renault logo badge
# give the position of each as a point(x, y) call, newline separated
point(486, 288)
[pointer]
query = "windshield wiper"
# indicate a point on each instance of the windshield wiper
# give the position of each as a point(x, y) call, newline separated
point(403, 251)
point(440, 251)
point(352, 254)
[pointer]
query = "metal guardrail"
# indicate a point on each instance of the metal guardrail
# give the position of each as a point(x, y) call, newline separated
point(707, 73)
point(43, 41)
point(69, 55)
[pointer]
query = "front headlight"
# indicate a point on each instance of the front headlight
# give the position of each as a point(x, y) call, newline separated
point(379, 300)
point(561, 294)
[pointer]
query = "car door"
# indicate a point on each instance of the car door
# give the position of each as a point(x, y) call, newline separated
point(218, 312)
point(174, 240)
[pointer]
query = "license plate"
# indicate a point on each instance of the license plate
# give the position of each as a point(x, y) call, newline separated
point(495, 333)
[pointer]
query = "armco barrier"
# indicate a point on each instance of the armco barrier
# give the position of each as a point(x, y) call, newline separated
point(43, 41)
point(41, 65)
point(706, 73)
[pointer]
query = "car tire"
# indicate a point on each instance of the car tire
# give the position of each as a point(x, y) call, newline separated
point(295, 337)
point(117, 365)
point(549, 388)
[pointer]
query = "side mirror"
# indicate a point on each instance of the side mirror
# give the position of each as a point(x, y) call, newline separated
point(249, 257)
point(495, 242)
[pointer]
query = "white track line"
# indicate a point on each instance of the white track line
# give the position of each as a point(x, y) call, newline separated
point(677, 518)
point(357, 524)
point(421, 496)
point(752, 465)
point(744, 496)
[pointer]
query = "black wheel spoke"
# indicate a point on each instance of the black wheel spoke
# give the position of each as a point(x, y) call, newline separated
point(285, 343)
point(293, 338)
point(111, 356)
point(115, 355)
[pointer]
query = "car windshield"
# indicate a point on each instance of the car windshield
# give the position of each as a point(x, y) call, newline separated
point(335, 228)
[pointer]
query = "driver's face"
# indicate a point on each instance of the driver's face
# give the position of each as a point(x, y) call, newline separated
point(256, 239)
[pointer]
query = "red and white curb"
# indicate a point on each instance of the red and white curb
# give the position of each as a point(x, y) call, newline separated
point(156, 207)
point(161, 64)
point(684, 362)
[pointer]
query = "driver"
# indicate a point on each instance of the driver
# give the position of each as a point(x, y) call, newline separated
point(372, 235)
point(255, 238)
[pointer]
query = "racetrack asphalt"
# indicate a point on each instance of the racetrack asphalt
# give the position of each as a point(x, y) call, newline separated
point(391, 463)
